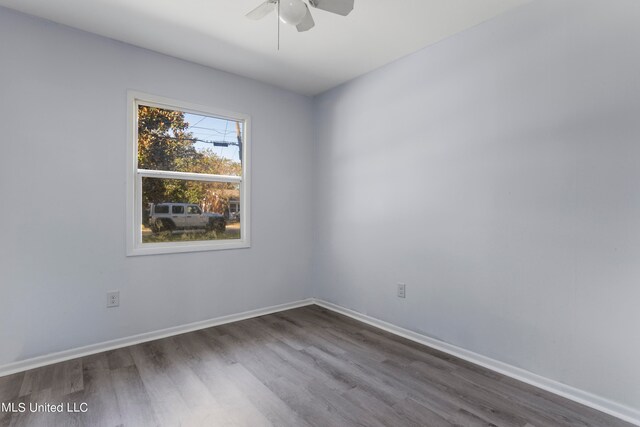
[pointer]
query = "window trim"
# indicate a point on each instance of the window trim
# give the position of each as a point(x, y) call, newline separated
point(135, 246)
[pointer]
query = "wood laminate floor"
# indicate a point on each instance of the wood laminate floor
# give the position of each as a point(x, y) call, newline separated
point(302, 367)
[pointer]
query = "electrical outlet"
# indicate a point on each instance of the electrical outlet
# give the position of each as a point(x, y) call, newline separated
point(113, 298)
point(402, 291)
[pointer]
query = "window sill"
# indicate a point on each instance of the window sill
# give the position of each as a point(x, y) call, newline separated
point(182, 247)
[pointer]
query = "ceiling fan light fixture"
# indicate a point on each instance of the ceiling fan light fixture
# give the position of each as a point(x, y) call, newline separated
point(292, 12)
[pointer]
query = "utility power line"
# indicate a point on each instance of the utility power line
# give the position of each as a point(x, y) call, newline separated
point(215, 143)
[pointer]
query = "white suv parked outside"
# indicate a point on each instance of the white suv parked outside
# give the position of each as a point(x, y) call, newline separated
point(184, 216)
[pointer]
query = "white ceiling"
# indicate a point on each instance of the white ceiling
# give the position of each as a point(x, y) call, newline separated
point(216, 33)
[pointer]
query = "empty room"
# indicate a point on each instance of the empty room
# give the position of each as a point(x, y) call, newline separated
point(320, 213)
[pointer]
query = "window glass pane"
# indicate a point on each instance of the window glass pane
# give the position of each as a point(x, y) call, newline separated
point(212, 219)
point(184, 142)
point(191, 209)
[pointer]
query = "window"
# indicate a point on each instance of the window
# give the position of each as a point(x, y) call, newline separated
point(162, 209)
point(193, 210)
point(188, 177)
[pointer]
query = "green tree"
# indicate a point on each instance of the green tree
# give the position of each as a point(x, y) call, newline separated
point(163, 144)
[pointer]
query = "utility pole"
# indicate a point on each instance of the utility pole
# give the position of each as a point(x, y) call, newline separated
point(239, 134)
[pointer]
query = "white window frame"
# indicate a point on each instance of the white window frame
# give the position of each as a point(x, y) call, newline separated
point(134, 179)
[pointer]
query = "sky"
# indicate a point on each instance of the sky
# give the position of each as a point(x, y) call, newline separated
point(214, 129)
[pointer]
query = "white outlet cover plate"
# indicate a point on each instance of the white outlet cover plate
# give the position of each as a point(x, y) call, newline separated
point(113, 299)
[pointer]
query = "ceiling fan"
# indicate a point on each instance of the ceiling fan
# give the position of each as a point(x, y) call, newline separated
point(297, 13)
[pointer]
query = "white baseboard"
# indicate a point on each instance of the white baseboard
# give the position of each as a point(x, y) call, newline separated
point(36, 362)
point(599, 403)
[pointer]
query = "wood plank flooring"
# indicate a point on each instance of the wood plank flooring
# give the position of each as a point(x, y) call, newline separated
point(302, 367)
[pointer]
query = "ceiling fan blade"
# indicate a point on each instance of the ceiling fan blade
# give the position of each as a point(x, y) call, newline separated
point(341, 7)
point(307, 22)
point(263, 10)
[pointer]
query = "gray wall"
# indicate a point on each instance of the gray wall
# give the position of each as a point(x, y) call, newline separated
point(497, 174)
point(62, 186)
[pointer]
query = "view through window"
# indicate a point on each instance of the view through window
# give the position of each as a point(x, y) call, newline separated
point(189, 175)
